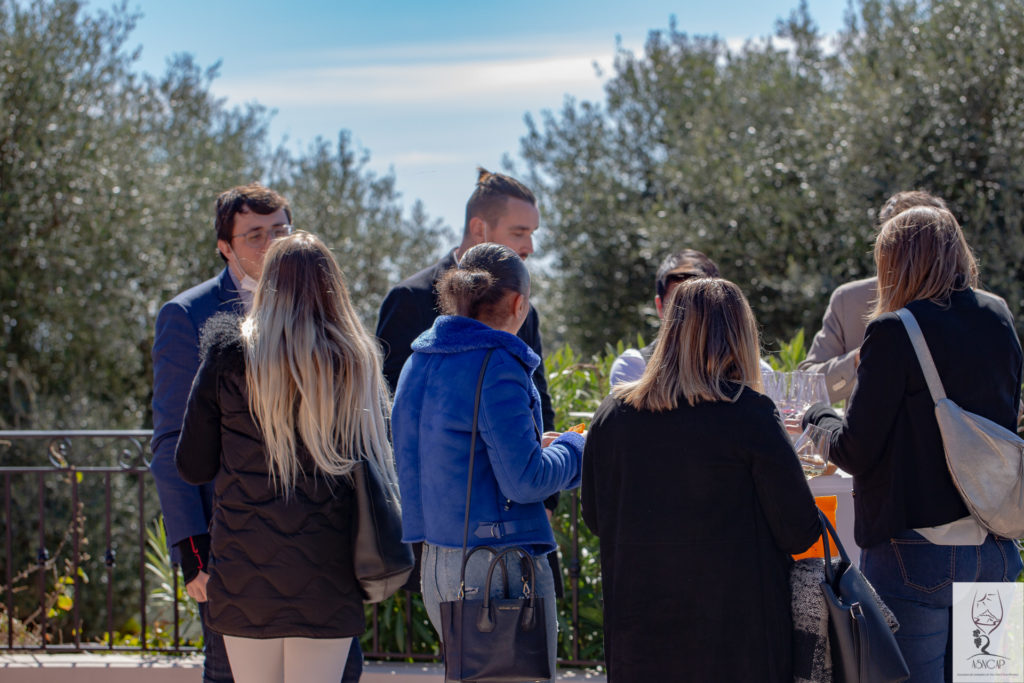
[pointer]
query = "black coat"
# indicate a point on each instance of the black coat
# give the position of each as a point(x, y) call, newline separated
point(278, 568)
point(890, 441)
point(698, 510)
point(410, 308)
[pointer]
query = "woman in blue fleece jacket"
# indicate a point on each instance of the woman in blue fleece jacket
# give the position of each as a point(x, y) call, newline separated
point(485, 299)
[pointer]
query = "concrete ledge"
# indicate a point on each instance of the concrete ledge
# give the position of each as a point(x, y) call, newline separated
point(122, 668)
point(95, 668)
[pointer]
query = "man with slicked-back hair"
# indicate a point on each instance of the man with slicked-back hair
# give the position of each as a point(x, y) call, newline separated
point(502, 210)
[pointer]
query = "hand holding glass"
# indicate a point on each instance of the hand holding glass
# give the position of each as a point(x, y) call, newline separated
point(812, 450)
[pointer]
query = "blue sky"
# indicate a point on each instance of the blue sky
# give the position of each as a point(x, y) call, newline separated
point(431, 88)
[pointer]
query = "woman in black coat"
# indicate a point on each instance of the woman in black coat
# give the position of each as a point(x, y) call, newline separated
point(282, 406)
point(692, 484)
point(916, 534)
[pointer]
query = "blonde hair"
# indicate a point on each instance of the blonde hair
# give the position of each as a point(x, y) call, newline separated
point(708, 337)
point(312, 371)
point(921, 253)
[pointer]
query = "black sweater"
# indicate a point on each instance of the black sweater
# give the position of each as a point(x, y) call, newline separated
point(890, 440)
point(698, 510)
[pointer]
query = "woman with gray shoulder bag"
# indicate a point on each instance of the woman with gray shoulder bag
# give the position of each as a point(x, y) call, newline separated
point(935, 341)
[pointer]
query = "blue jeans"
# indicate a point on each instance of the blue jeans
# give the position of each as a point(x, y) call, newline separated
point(216, 668)
point(439, 573)
point(915, 579)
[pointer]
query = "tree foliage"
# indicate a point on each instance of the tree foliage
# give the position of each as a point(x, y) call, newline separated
point(774, 158)
point(108, 179)
point(107, 184)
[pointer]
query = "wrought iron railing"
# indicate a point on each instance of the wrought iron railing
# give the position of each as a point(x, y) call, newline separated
point(65, 490)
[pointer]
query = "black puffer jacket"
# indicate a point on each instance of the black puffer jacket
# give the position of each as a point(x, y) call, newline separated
point(278, 568)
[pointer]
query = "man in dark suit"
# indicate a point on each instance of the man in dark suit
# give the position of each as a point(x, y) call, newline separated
point(248, 219)
point(501, 210)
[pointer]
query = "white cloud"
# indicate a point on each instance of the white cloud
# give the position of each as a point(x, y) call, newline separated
point(467, 50)
point(421, 82)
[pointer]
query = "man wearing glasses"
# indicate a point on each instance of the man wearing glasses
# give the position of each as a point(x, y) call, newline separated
point(248, 219)
point(676, 268)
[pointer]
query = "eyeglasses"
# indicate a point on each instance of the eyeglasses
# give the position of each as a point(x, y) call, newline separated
point(257, 237)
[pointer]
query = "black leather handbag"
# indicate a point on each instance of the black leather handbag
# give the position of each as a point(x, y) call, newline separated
point(382, 563)
point(494, 640)
point(863, 647)
point(497, 639)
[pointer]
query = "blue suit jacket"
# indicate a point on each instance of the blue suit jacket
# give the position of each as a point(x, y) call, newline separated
point(186, 507)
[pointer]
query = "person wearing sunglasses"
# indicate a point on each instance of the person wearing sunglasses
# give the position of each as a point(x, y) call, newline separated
point(675, 268)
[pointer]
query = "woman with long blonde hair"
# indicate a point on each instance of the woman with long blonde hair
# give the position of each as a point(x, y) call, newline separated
point(284, 403)
point(692, 485)
point(916, 535)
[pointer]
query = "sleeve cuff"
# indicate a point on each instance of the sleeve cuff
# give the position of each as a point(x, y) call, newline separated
point(816, 412)
point(195, 555)
point(572, 439)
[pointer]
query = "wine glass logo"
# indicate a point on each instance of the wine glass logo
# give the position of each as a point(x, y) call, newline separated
point(987, 614)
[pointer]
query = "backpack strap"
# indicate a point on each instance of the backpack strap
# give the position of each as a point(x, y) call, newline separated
point(924, 356)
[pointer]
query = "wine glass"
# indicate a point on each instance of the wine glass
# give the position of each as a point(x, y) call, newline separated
point(987, 610)
point(774, 385)
point(812, 449)
point(808, 388)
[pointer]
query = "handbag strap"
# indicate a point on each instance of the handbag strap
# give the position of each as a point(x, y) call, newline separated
point(924, 355)
point(828, 530)
point(469, 482)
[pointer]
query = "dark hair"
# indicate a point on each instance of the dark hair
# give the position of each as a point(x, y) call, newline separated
point(901, 201)
point(484, 275)
point(493, 190)
point(699, 264)
point(252, 197)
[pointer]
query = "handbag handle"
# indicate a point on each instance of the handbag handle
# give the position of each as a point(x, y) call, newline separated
point(485, 620)
point(826, 531)
point(469, 482)
point(493, 551)
point(526, 563)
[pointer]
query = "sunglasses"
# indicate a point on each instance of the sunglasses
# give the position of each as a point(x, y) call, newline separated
point(676, 278)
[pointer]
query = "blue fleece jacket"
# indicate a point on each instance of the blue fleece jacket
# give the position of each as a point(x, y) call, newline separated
point(432, 420)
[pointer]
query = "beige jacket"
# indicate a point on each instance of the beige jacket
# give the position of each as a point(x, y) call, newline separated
point(834, 349)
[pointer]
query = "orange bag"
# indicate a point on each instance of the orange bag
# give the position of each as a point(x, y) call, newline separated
point(828, 505)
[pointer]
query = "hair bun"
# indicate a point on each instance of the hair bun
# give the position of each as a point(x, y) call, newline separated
point(484, 275)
